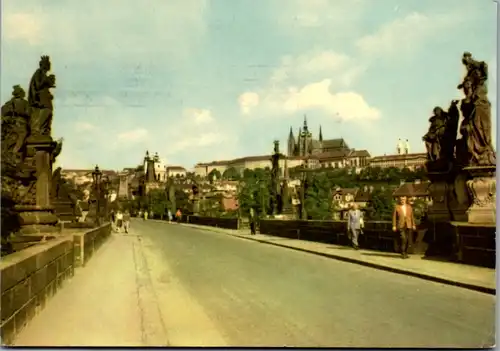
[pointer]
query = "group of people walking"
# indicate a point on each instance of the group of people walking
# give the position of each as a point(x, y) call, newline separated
point(170, 217)
point(120, 220)
point(403, 225)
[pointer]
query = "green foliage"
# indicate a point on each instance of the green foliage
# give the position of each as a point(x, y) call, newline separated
point(214, 172)
point(158, 202)
point(231, 174)
point(254, 192)
point(419, 209)
point(381, 205)
point(318, 196)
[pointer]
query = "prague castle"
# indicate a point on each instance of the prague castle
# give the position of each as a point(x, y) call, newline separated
point(306, 145)
point(316, 153)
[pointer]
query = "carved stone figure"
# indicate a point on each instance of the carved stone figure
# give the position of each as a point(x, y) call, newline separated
point(40, 99)
point(440, 139)
point(475, 147)
point(15, 119)
point(477, 75)
point(18, 172)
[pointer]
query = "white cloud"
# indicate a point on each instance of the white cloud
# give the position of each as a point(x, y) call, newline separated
point(405, 35)
point(199, 116)
point(319, 13)
point(22, 26)
point(248, 101)
point(317, 80)
point(135, 135)
point(149, 28)
point(343, 105)
point(197, 141)
point(84, 126)
point(317, 65)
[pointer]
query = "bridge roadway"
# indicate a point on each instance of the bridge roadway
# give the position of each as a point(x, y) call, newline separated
point(206, 288)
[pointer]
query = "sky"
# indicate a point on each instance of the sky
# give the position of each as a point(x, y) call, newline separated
point(203, 80)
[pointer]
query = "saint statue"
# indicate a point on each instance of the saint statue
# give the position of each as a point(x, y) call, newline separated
point(440, 139)
point(40, 99)
point(15, 119)
point(476, 147)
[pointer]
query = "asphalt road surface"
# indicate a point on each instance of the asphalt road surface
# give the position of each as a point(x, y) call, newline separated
point(243, 293)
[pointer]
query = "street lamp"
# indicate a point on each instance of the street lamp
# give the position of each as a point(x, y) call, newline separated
point(96, 176)
point(105, 187)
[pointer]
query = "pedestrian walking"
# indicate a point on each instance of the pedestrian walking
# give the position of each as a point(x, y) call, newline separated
point(252, 221)
point(355, 225)
point(112, 217)
point(119, 221)
point(145, 215)
point(403, 223)
point(126, 221)
point(178, 215)
point(169, 214)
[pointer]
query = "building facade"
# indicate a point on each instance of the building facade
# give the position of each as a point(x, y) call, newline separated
point(410, 161)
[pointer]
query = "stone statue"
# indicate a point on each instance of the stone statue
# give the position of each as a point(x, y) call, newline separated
point(476, 147)
point(40, 99)
point(15, 118)
point(18, 175)
point(56, 183)
point(275, 186)
point(477, 75)
point(440, 139)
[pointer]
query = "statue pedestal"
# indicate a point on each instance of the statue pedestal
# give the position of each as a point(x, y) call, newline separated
point(439, 189)
point(196, 206)
point(37, 220)
point(39, 217)
point(482, 190)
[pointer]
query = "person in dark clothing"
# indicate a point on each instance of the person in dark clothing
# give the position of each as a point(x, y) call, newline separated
point(252, 222)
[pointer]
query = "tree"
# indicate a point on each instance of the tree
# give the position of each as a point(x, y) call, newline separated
point(231, 174)
point(214, 172)
point(318, 196)
point(158, 202)
point(381, 205)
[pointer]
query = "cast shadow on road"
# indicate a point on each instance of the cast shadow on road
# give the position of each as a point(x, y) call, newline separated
point(341, 248)
point(388, 254)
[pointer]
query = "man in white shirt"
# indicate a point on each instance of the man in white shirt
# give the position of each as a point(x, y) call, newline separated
point(355, 225)
point(119, 220)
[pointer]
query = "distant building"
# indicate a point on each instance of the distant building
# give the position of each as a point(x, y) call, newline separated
point(413, 191)
point(175, 171)
point(333, 153)
point(82, 176)
point(303, 150)
point(240, 164)
point(410, 161)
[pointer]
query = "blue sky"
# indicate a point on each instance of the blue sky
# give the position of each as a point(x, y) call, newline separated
point(199, 80)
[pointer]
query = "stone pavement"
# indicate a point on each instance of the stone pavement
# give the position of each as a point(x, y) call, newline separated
point(106, 303)
point(466, 276)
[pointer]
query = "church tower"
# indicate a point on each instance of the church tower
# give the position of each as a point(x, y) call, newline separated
point(306, 139)
point(291, 143)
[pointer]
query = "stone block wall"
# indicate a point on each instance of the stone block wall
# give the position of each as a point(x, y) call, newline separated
point(88, 242)
point(376, 235)
point(475, 244)
point(226, 223)
point(30, 277)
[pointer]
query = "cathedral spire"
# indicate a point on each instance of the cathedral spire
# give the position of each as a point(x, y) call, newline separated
point(305, 123)
point(320, 134)
point(290, 136)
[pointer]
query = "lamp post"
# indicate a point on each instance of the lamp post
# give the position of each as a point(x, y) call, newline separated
point(303, 179)
point(96, 176)
point(106, 183)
